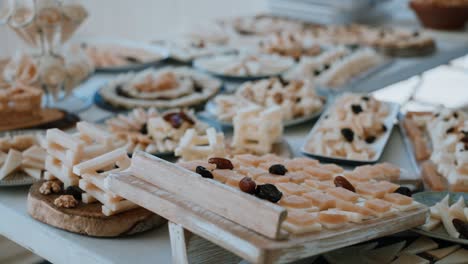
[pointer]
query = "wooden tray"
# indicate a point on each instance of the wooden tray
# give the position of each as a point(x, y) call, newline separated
point(87, 219)
point(50, 118)
point(237, 236)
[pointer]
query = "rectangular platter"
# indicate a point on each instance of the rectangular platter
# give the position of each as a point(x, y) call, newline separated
point(379, 145)
point(184, 208)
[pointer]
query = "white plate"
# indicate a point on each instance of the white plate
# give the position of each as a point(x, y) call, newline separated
point(162, 52)
point(378, 145)
point(18, 178)
point(212, 65)
point(210, 113)
point(430, 199)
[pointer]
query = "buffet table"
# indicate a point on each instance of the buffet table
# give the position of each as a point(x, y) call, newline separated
point(59, 246)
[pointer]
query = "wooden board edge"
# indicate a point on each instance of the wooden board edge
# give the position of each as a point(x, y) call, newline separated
point(193, 218)
point(135, 221)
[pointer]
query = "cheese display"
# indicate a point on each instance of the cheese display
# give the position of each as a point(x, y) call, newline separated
point(163, 88)
point(296, 99)
point(350, 129)
point(440, 139)
point(66, 150)
point(21, 153)
point(93, 173)
point(153, 131)
point(256, 130)
point(316, 195)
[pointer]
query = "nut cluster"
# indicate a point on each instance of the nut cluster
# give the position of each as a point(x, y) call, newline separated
point(49, 187)
point(66, 201)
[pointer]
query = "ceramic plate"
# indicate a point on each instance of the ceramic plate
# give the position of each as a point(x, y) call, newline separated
point(431, 198)
point(163, 54)
point(210, 113)
point(18, 178)
point(378, 146)
point(212, 65)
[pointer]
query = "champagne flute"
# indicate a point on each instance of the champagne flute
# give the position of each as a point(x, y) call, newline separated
point(74, 13)
point(6, 9)
point(49, 20)
point(22, 22)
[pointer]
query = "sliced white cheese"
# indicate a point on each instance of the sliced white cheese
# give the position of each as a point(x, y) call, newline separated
point(458, 257)
point(435, 212)
point(456, 210)
point(297, 229)
point(35, 173)
point(384, 254)
point(410, 259)
point(431, 224)
point(3, 157)
point(12, 162)
point(422, 244)
point(447, 220)
point(441, 253)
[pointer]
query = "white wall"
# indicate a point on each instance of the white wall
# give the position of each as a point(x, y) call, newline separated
point(146, 19)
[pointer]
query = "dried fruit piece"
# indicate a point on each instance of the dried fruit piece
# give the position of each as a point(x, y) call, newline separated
point(278, 169)
point(247, 185)
point(356, 108)
point(370, 139)
point(404, 191)
point(348, 134)
point(221, 163)
point(461, 227)
point(74, 191)
point(268, 192)
point(204, 172)
point(144, 129)
point(342, 182)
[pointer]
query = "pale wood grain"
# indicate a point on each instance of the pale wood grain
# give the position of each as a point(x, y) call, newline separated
point(210, 194)
point(246, 243)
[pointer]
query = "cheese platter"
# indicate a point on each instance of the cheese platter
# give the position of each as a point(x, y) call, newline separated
point(185, 199)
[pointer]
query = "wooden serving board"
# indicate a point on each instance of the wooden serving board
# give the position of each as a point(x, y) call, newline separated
point(49, 118)
point(87, 219)
point(245, 243)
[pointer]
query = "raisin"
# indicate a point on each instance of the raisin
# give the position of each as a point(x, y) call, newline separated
point(221, 163)
point(461, 227)
point(356, 108)
point(204, 172)
point(283, 81)
point(326, 66)
point(365, 98)
point(132, 59)
point(268, 192)
point(384, 128)
point(121, 92)
point(278, 169)
point(455, 114)
point(348, 134)
point(450, 130)
point(404, 191)
point(100, 171)
point(464, 139)
point(174, 119)
point(342, 182)
point(74, 191)
point(144, 129)
point(247, 185)
point(317, 72)
point(370, 139)
point(186, 118)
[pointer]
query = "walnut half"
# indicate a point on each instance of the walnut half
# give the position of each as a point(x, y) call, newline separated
point(49, 187)
point(66, 201)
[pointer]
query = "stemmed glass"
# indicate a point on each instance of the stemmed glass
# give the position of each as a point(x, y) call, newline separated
point(6, 9)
